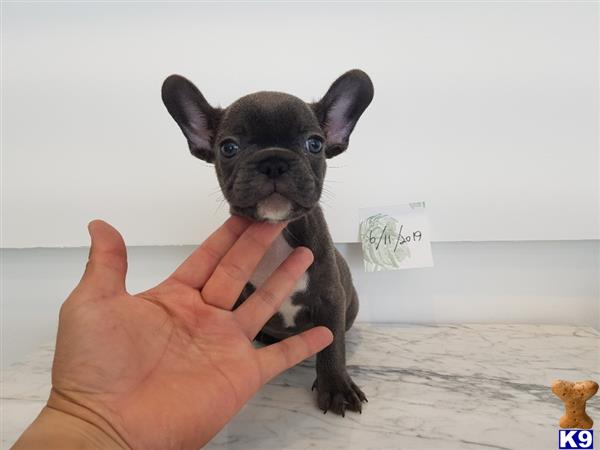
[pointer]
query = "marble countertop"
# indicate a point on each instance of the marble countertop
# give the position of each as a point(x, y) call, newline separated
point(429, 387)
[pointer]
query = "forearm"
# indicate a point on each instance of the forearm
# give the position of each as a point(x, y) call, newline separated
point(54, 429)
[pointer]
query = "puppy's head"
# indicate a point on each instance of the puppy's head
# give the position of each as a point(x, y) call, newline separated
point(269, 148)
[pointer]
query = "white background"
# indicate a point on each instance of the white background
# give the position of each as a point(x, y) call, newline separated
point(487, 111)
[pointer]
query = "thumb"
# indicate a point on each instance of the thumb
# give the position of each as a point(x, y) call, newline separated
point(107, 264)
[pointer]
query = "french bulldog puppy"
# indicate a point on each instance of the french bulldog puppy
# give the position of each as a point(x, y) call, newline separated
point(270, 150)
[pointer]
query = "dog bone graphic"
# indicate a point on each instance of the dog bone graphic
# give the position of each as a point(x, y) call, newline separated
point(574, 395)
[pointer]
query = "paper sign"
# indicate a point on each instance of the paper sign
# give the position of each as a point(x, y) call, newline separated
point(395, 237)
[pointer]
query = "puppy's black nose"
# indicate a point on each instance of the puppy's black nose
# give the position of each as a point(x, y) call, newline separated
point(273, 167)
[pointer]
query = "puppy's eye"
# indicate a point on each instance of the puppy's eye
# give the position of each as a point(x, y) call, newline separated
point(314, 144)
point(229, 149)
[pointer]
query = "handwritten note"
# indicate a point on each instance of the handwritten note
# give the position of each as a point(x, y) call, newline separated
point(395, 237)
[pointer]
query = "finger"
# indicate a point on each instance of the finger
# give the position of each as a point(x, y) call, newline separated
point(266, 300)
point(196, 269)
point(107, 264)
point(230, 276)
point(276, 358)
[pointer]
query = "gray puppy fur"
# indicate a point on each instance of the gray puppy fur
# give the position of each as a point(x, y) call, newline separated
point(269, 150)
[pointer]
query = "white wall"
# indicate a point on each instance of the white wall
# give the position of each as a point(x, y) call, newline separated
point(526, 282)
point(487, 111)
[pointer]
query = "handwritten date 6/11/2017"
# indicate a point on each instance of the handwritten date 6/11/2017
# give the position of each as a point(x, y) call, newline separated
point(389, 239)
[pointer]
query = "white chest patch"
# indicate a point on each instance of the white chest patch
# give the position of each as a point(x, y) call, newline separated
point(278, 252)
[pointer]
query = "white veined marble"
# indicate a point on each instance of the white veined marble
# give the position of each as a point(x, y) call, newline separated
point(429, 387)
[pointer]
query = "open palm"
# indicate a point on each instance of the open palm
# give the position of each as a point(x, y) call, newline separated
point(169, 367)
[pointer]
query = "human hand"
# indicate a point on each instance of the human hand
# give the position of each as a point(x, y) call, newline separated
point(169, 367)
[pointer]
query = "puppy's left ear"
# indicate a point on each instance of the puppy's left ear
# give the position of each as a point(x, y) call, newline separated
point(341, 107)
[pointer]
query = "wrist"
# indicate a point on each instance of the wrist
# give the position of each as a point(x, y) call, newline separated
point(56, 429)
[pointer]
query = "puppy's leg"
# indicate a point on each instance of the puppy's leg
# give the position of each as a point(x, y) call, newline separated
point(335, 389)
point(349, 291)
point(352, 309)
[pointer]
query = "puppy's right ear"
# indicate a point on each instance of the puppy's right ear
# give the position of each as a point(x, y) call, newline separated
point(196, 118)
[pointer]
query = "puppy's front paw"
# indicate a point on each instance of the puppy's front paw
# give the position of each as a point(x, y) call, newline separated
point(338, 393)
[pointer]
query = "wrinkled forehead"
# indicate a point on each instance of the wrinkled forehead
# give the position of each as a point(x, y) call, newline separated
point(272, 116)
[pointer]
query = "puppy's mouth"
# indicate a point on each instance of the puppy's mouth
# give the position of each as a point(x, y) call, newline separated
point(272, 207)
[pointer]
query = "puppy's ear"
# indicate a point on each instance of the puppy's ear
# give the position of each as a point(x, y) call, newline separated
point(340, 108)
point(196, 118)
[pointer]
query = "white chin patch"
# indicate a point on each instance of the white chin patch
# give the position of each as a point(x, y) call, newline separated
point(275, 208)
